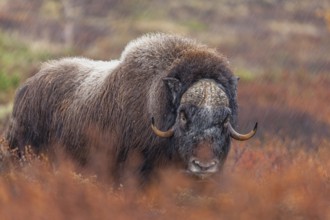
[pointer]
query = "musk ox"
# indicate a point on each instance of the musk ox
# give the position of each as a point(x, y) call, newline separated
point(168, 98)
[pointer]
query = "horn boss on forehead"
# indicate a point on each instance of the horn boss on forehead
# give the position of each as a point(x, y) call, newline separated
point(205, 92)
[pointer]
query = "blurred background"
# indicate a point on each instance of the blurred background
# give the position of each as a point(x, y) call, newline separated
point(279, 48)
point(275, 43)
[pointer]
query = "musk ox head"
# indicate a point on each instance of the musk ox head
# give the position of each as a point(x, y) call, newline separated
point(202, 129)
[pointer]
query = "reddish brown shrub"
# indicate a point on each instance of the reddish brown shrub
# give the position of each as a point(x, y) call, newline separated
point(277, 175)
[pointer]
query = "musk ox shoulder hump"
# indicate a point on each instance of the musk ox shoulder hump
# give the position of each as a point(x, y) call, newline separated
point(160, 46)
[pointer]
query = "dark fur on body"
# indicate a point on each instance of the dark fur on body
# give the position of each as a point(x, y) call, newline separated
point(58, 105)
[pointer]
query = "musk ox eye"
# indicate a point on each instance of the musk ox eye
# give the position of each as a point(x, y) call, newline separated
point(183, 117)
point(226, 122)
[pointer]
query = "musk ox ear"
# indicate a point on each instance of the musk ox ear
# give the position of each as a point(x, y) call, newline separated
point(174, 86)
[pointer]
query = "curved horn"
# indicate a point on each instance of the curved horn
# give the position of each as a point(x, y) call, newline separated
point(164, 134)
point(242, 137)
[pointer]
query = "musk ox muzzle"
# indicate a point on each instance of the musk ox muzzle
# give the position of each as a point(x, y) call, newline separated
point(200, 165)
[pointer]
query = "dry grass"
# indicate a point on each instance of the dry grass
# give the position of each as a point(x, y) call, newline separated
point(265, 181)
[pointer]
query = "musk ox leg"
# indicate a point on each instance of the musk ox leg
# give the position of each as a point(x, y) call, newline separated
point(146, 172)
point(118, 167)
point(146, 169)
point(16, 139)
point(18, 145)
point(22, 126)
point(20, 136)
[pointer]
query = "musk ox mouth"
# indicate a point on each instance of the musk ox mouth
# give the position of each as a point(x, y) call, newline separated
point(199, 175)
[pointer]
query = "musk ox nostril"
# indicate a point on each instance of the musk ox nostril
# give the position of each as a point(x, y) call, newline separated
point(197, 166)
point(196, 162)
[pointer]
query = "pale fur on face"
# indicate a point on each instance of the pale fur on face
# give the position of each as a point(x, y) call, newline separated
point(205, 93)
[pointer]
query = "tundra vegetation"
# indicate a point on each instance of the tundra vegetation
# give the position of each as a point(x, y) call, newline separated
point(282, 173)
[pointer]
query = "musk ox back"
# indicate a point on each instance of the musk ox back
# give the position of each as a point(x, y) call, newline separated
point(169, 99)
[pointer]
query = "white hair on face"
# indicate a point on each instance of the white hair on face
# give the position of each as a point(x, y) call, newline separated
point(205, 93)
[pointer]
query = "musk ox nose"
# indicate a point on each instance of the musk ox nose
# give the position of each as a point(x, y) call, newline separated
point(197, 166)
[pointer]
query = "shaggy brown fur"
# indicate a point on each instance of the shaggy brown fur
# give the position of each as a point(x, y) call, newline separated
point(71, 99)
